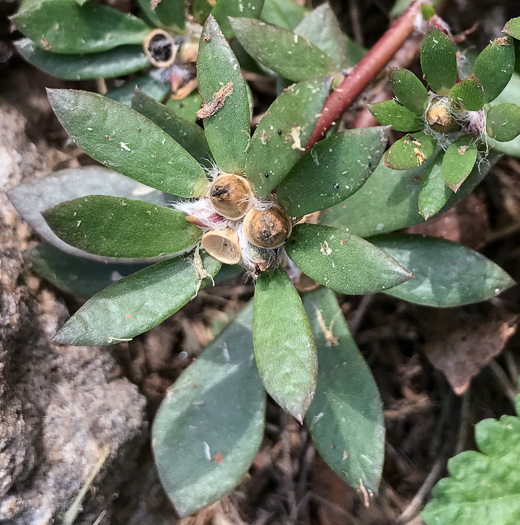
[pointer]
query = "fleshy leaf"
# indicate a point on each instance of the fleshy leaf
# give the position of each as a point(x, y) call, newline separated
point(503, 122)
point(410, 152)
point(283, 13)
point(291, 56)
point(201, 10)
point(343, 262)
point(484, 487)
point(76, 275)
point(171, 13)
point(390, 113)
point(127, 142)
point(32, 198)
point(333, 170)
point(512, 28)
point(434, 193)
point(107, 64)
point(136, 303)
point(388, 200)
point(187, 107)
point(202, 446)
point(321, 27)
point(283, 133)
point(408, 89)
point(438, 61)
point(63, 26)
point(150, 85)
point(345, 418)
point(469, 93)
point(225, 8)
point(446, 273)
point(218, 73)
point(285, 351)
point(459, 160)
point(120, 227)
point(188, 134)
point(494, 67)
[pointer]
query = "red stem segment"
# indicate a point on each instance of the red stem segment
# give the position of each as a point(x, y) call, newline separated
point(365, 71)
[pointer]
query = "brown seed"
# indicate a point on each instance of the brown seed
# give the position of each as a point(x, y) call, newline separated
point(230, 196)
point(160, 48)
point(267, 229)
point(223, 245)
point(440, 119)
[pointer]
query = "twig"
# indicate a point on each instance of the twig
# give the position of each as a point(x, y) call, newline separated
point(360, 312)
point(509, 390)
point(462, 434)
point(365, 71)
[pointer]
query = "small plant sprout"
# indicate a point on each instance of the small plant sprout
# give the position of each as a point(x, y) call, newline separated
point(296, 204)
point(448, 126)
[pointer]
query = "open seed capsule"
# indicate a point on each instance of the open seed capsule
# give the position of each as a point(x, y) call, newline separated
point(223, 245)
point(230, 196)
point(160, 48)
point(267, 228)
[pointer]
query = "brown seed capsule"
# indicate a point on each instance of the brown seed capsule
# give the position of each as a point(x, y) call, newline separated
point(440, 119)
point(223, 245)
point(267, 229)
point(160, 48)
point(230, 196)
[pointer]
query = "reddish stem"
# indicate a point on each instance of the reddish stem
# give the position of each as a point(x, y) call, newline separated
point(365, 71)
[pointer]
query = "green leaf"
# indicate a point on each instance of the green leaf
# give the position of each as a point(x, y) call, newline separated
point(390, 113)
point(459, 160)
point(408, 89)
point(284, 13)
point(203, 446)
point(119, 227)
point(343, 262)
point(438, 61)
point(291, 56)
point(187, 107)
point(147, 13)
point(494, 67)
point(32, 198)
point(484, 487)
point(107, 64)
point(346, 416)
point(201, 10)
point(503, 122)
point(283, 133)
point(148, 83)
point(63, 26)
point(188, 134)
point(227, 131)
point(469, 93)
point(321, 27)
point(225, 8)
point(410, 152)
point(332, 170)
point(434, 193)
point(76, 275)
point(285, 351)
point(388, 200)
point(136, 303)
point(171, 13)
point(512, 28)
point(124, 140)
point(446, 273)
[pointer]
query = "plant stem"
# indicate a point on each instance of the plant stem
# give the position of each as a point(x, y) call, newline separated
point(365, 71)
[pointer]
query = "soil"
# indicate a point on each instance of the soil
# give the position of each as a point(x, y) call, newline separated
point(70, 414)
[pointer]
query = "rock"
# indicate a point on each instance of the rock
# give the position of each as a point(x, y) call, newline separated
point(62, 409)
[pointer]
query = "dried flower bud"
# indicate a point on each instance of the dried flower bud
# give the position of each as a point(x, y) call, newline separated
point(267, 228)
point(223, 246)
point(440, 118)
point(160, 48)
point(230, 196)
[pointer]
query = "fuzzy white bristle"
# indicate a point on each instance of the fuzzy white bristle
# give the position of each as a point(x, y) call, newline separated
point(203, 211)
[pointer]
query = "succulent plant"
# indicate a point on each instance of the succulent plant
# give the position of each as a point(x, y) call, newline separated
point(448, 126)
